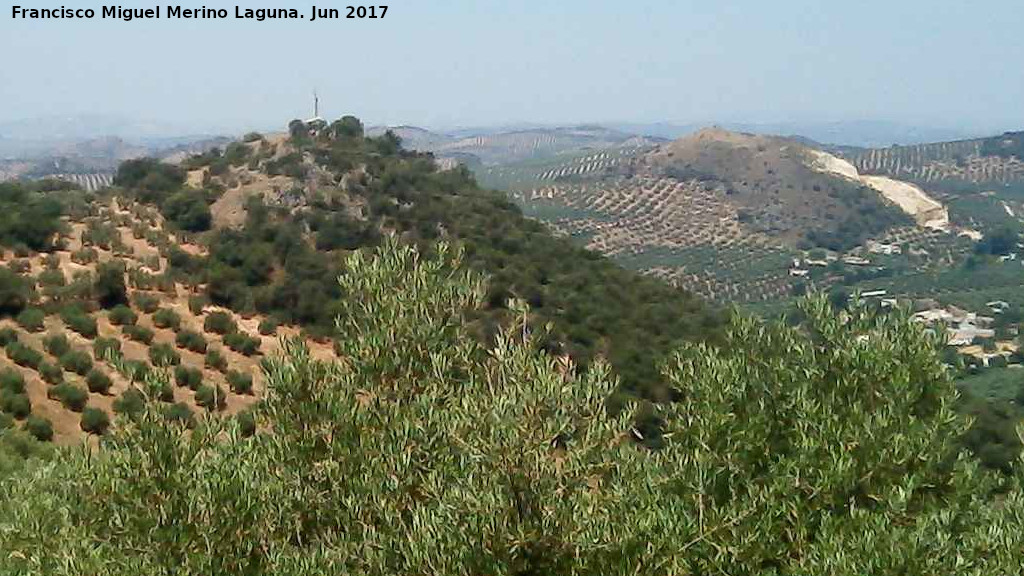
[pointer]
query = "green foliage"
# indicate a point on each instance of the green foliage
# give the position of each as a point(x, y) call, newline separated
point(188, 210)
point(31, 319)
point(17, 405)
point(51, 373)
point(30, 218)
point(95, 421)
point(140, 334)
point(824, 446)
point(104, 347)
point(23, 355)
point(8, 335)
point(131, 403)
point(110, 289)
point(188, 376)
point(211, 397)
point(180, 413)
point(147, 303)
point(12, 381)
point(73, 397)
point(15, 292)
point(239, 382)
point(196, 303)
point(166, 318)
point(122, 316)
point(79, 321)
point(191, 340)
point(39, 427)
point(242, 343)
point(220, 323)
point(98, 382)
point(77, 361)
point(56, 344)
point(215, 359)
point(151, 179)
point(268, 327)
point(162, 355)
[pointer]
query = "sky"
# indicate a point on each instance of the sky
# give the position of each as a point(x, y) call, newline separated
point(483, 62)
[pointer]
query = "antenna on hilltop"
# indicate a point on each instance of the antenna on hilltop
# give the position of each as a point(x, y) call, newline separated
point(316, 105)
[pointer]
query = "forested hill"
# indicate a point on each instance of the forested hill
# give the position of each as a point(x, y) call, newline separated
point(271, 208)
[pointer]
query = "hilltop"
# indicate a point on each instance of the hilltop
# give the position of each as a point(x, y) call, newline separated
point(278, 212)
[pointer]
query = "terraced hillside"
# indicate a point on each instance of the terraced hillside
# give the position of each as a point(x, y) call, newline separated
point(983, 162)
point(71, 366)
point(508, 147)
point(723, 214)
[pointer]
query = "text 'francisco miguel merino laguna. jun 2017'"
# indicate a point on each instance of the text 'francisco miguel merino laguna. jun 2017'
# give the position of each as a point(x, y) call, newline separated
point(201, 13)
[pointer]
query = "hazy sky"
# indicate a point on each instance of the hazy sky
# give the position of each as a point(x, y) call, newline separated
point(463, 63)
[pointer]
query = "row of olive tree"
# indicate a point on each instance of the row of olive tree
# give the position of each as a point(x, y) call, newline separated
point(826, 448)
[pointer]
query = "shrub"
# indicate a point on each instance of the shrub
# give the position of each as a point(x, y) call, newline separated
point(31, 319)
point(180, 413)
point(73, 397)
point(240, 382)
point(122, 315)
point(51, 278)
point(85, 256)
point(98, 382)
point(11, 380)
point(95, 421)
point(188, 377)
point(8, 335)
point(110, 289)
point(78, 321)
point(192, 341)
point(211, 397)
point(148, 303)
point(131, 402)
point(15, 292)
point(6, 422)
point(139, 334)
point(162, 355)
point(246, 423)
point(136, 370)
point(51, 373)
point(23, 355)
point(268, 327)
point(101, 347)
point(196, 303)
point(220, 323)
point(216, 360)
point(242, 343)
point(21, 266)
point(166, 318)
point(77, 361)
point(56, 344)
point(15, 404)
point(40, 428)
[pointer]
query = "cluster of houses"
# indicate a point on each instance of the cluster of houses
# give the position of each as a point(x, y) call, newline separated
point(962, 327)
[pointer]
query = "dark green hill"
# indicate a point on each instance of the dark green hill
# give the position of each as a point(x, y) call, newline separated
point(310, 197)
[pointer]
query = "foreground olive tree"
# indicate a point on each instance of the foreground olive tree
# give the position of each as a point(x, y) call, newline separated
point(825, 448)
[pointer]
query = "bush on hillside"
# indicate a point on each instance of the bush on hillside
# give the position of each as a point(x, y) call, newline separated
point(8, 335)
point(39, 427)
point(24, 355)
point(79, 321)
point(239, 382)
point(17, 405)
point(102, 348)
point(163, 355)
point(268, 327)
point(51, 373)
point(56, 344)
point(188, 377)
point(15, 292)
point(110, 289)
point(73, 397)
point(139, 333)
point(122, 315)
point(98, 382)
point(130, 403)
point(215, 359)
point(192, 341)
point(166, 318)
point(77, 361)
point(95, 421)
point(220, 323)
point(242, 343)
point(147, 303)
point(180, 413)
point(11, 380)
point(31, 319)
point(211, 397)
